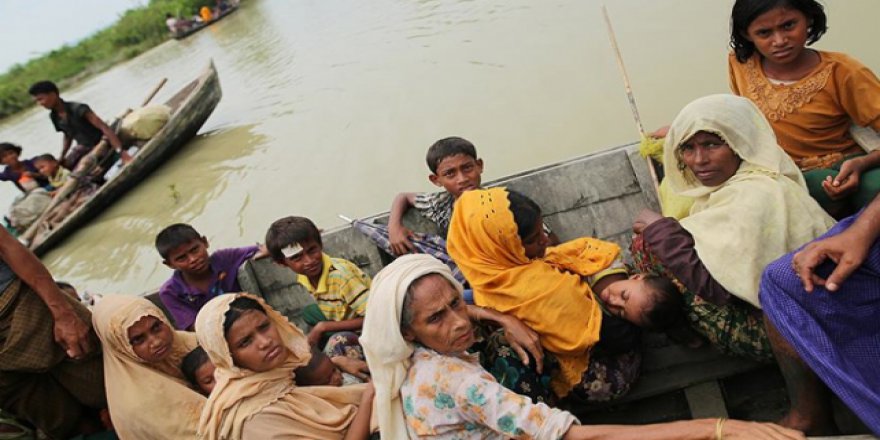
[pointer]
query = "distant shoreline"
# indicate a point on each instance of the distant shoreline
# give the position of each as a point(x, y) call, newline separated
point(137, 30)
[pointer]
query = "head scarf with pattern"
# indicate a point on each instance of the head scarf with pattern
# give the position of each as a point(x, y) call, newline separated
point(240, 394)
point(147, 401)
point(547, 293)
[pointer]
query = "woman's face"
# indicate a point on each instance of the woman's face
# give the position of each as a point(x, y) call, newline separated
point(709, 158)
point(779, 34)
point(255, 343)
point(151, 339)
point(439, 316)
point(536, 242)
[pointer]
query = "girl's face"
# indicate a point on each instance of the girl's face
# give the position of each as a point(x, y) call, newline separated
point(440, 319)
point(255, 343)
point(151, 339)
point(710, 158)
point(536, 242)
point(779, 34)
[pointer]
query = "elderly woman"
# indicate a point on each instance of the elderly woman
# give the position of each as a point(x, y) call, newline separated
point(750, 207)
point(416, 333)
point(148, 395)
point(255, 351)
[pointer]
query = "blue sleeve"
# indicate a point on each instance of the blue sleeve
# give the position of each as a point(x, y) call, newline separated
point(181, 314)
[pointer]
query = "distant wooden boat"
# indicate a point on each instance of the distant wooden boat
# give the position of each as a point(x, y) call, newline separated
point(196, 26)
point(190, 108)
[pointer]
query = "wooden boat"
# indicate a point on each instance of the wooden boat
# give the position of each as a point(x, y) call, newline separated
point(199, 26)
point(190, 108)
point(596, 195)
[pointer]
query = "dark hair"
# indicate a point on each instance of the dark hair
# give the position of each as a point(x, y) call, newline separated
point(447, 147)
point(45, 157)
point(668, 308)
point(746, 11)
point(41, 87)
point(173, 236)
point(305, 375)
point(289, 230)
point(191, 363)
point(525, 213)
point(237, 308)
point(6, 146)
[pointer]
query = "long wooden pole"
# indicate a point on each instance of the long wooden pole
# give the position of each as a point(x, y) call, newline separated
point(629, 95)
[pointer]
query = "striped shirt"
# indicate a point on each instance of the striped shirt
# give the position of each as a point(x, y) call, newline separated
point(342, 291)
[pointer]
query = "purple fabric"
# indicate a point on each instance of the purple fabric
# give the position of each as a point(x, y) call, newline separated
point(836, 334)
point(184, 301)
point(9, 175)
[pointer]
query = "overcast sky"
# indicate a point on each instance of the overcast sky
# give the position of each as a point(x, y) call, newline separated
point(33, 27)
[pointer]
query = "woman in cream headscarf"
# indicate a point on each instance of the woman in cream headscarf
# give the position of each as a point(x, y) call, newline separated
point(147, 393)
point(251, 404)
point(416, 330)
point(751, 206)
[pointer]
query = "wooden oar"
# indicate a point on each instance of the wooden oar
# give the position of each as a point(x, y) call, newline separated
point(83, 169)
point(629, 95)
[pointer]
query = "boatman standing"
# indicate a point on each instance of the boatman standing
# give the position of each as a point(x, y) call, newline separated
point(78, 123)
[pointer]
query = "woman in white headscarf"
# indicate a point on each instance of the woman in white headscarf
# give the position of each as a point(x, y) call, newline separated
point(416, 331)
point(255, 351)
point(751, 206)
point(147, 393)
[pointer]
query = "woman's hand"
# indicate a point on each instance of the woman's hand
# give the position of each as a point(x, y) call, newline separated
point(645, 218)
point(352, 366)
point(848, 249)
point(847, 180)
point(737, 429)
point(523, 340)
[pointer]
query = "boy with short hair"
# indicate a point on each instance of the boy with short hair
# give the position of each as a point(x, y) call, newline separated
point(340, 288)
point(198, 277)
point(78, 123)
point(456, 168)
point(51, 169)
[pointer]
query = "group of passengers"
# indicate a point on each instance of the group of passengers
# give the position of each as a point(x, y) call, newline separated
point(755, 265)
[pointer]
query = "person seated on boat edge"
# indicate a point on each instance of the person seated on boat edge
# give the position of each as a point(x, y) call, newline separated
point(339, 287)
point(51, 373)
point(811, 97)
point(750, 207)
point(176, 25)
point(51, 169)
point(455, 167)
point(820, 305)
point(146, 389)
point(198, 370)
point(197, 276)
point(78, 123)
point(416, 336)
point(23, 173)
point(497, 240)
point(256, 352)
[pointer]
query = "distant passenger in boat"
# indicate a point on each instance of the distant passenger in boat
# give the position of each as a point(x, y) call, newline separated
point(52, 170)
point(198, 276)
point(417, 334)
point(23, 173)
point(51, 373)
point(205, 13)
point(822, 305)
point(256, 351)
point(339, 287)
point(811, 97)
point(78, 123)
point(147, 392)
point(750, 207)
point(497, 239)
point(198, 370)
point(455, 167)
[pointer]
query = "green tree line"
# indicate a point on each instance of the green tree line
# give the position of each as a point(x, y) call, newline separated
point(136, 31)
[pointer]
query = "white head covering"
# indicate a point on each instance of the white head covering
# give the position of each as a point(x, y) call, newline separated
point(388, 354)
point(760, 213)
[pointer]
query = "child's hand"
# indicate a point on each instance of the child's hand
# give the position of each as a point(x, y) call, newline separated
point(846, 182)
point(399, 236)
point(262, 252)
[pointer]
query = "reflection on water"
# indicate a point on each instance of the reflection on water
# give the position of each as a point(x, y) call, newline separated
point(329, 106)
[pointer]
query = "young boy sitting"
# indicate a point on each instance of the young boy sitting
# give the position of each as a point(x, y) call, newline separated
point(340, 288)
point(198, 370)
point(456, 168)
point(51, 169)
point(197, 277)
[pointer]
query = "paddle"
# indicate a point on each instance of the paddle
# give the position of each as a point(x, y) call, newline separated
point(83, 169)
point(629, 95)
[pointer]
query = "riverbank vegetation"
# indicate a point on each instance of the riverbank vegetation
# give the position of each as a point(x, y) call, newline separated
point(136, 31)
